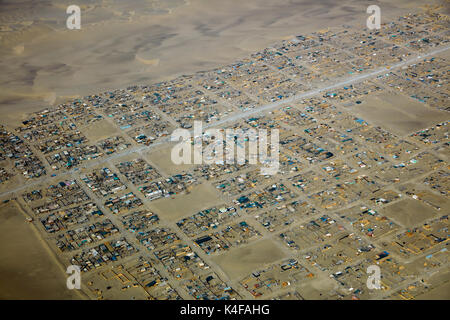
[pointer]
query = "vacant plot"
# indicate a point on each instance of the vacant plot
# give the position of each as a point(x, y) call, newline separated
point(398, 114)
point(409, 212)
point(318, 289)
point(439, 293)
point(162, 159)
point(100, 130)
point(201, 197)
point(240, 262)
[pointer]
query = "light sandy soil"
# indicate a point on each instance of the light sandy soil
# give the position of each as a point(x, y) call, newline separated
point(409, 212)
point(200, 197)
point(441, 292)
point(15, 180)
point(28, 270)
point(162, 159)
point(398, 114)
point(432, 199)
point(241, 261)
point(101, 130)
point(441, 287)
point(317, 289)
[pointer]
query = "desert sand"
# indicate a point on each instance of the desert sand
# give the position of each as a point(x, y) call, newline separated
point(409, 213)
point(398, 113)
point(28, 269)
point(239, 262)
point(199, 198)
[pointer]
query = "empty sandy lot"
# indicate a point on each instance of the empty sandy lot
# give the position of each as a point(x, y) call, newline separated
point(398, 114)
point(162, 159)
point(201, 197)
point(241, 261)
point(100, 130)
point(409, 212)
